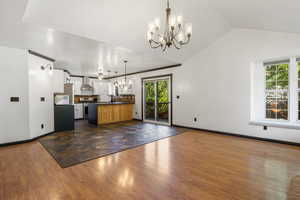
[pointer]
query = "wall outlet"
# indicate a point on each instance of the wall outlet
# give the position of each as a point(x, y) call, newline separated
point(14, 99)
point(195, 119)
point(42, 126)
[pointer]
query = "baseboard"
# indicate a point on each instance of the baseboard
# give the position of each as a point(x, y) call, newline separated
point(137, 119)
point(24, 141)
point(241, 136)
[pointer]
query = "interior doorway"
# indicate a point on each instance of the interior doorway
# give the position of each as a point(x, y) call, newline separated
point(157, 104)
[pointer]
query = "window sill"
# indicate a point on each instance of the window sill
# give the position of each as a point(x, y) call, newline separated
point(289, 125)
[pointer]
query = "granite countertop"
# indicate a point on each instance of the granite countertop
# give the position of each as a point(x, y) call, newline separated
point(112, 103)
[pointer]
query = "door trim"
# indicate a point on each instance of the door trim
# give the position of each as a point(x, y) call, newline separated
point(171, 91)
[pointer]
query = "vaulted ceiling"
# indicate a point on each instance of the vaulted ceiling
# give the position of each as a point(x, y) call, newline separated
point(81, 35)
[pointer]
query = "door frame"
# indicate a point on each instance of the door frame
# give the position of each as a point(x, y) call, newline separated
point(171, 94)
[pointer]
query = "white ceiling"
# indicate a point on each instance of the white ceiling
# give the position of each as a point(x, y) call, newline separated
point(124, 23)
point(80, 35)
point(79, 55)
point(273, 15)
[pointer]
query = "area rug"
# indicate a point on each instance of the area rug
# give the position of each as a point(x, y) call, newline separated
point(90, 142)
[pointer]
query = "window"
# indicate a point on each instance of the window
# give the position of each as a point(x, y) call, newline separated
point(277, 90)
point(298, 90)
point(275, 93)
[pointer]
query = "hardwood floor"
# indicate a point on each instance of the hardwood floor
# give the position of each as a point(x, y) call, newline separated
point(193, 165)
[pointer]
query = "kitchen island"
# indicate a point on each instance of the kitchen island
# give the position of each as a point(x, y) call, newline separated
point(110, 112)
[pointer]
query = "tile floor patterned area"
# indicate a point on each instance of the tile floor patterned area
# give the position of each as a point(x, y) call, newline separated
point(88, 142)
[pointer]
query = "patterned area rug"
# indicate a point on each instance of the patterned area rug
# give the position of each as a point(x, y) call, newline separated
point(89, 142)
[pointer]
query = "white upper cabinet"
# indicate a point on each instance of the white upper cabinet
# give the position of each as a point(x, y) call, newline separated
point(66, 78)
point(58, 81)
point(77, 82)
point(100, 87)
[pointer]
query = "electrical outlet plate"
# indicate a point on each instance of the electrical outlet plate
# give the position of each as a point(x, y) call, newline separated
point(14, 99)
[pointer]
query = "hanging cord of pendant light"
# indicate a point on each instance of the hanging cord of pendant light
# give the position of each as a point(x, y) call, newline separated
point(125, 61)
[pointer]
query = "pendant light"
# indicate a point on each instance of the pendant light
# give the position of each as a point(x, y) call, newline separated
point(125, 84)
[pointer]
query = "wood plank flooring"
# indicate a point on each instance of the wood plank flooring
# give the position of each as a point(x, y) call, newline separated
point(193, 165)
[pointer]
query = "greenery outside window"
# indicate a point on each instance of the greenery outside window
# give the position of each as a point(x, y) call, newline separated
point(277, 90)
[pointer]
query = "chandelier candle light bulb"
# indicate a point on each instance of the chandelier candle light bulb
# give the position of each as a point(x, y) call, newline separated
point(172, 21)
point(157, 23)
point(179, 20)
point(189, 29)
point(176, 33)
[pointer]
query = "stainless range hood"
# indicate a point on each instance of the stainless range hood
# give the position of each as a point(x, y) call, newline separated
point(86, 87)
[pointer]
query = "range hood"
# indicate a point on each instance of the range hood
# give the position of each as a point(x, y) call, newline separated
point(86, 87)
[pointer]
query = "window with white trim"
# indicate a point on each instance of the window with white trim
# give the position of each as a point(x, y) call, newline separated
point(277, 90)
point(275, 93)
point(298, 69)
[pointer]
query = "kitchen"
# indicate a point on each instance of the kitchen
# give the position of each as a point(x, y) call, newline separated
point(82, 92)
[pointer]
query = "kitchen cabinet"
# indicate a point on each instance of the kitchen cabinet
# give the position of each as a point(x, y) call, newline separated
point(78, 111)
point(77, 83)
point(105, 114)
point(66, 78)
point(63, 118)
point(112, 113)
point(58, 81)
point(100, 87)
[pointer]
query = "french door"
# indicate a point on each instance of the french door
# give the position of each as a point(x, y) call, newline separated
point(157, 100)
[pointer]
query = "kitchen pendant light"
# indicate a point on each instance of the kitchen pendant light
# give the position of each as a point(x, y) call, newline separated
point(175, 34)
point(125, 84)
point(116, 83)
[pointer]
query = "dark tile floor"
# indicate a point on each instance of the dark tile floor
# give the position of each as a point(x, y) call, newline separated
point(89, 142)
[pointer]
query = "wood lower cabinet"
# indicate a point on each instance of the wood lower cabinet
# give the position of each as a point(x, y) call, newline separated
point(114, 113)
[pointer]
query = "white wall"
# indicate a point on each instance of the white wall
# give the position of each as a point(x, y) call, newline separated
point(215, 85)
point(40, 85)
point(58, 81)
point(14, 121)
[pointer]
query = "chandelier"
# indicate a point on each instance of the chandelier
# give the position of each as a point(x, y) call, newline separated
point(175, 34)
point(125, 84)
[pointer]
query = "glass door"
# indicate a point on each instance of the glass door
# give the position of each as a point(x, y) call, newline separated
point(149, 100)
point(157, 105)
